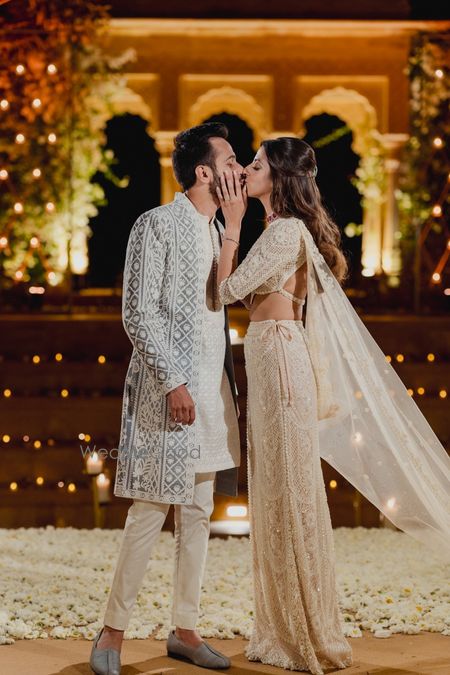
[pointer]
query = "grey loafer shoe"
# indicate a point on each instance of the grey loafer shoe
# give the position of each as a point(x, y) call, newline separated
point(203, 655)
point(104, 661)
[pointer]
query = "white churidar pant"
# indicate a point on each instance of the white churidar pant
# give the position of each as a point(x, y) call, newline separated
point(142, 528)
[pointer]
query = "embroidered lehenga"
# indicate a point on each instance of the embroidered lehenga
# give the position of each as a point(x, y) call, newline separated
point(297, 623)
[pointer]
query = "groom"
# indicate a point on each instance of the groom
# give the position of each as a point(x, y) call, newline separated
point(179, 436)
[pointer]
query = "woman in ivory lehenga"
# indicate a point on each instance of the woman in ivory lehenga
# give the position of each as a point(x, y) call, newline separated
point(323, 390)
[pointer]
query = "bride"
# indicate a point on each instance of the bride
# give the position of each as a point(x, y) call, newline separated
point(324, 390)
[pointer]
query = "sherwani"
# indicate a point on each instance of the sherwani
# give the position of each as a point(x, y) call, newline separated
point(163, 312)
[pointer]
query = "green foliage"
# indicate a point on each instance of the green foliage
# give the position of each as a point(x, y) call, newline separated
point(55, 78)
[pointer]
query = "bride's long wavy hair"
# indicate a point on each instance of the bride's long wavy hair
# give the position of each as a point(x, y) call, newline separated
point(295, 193)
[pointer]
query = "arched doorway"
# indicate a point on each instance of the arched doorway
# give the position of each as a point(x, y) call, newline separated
point(241, 138)
point(137, 162)
point(337, 162)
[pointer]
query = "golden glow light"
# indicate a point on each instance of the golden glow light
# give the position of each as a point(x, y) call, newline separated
point(20, 138)
point(436, 277)
point(50, 207)
point(61, 484)
point(437, 211)
point(36, 358)
point(3, 174)
point(37, 445)
point(52, 69)
point(400, 358)
point(237, 511)
point(13, 486)
point(20, 69)
point(443, 393)
point(87, 437)
point(420, 391)
point(64, 393)
point(37, 173)
point(333, 484)
point(71, 487)
point(3, 242)
point(7, 393)
point(4, 104)
point(439, 73)
point(81, 437)
point(58, 357)
point(40, 480)
point(411, 392)
point(52, 138)
point(101, 359)
point(36, 103)
point(18, 275)
point(18, 207)
point(368, 272)
point(6, 438)
point(34, 242)
point(388, 358)
point(438, 142)
point(26, 438)
point(430, 357)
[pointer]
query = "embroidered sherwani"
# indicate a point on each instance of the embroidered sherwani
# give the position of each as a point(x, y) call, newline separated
point(169, 285)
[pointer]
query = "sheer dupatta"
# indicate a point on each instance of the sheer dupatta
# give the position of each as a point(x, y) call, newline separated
point(370, 429)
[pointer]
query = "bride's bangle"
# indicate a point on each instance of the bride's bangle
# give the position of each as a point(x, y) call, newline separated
point(230, 239)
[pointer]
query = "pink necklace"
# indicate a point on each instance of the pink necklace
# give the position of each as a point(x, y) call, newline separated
point(271, 217)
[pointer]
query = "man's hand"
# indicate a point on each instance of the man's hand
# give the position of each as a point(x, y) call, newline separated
point(233, 200)
point(182, 407)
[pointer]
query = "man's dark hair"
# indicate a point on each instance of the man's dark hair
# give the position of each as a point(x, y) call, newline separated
point(192, 147)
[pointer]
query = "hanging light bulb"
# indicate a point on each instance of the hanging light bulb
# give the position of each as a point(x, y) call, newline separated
point(18, 207)
point(436, 277)
point(61, 484)
point(36, 103)
point(438, 142)
point(18, 275)
point(4, 104)
point(20, 139)
point(52, 69)
point(50, 207)
point(439, 73)
point(34, 242)
point(3, 242)
point(37, 173)
point(437, 211)
point(3, 174)
point(20, 69)
point(52, 138)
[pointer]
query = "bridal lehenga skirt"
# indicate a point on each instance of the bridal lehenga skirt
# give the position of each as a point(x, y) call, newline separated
point(296, 621)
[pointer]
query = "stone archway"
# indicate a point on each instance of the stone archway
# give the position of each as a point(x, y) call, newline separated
point(233, 101)
point(361, 117)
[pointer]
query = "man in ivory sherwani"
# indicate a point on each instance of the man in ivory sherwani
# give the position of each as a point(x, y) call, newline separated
point(179, 437)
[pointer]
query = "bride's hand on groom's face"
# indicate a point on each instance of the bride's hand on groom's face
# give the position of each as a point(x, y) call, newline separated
point(233, 199)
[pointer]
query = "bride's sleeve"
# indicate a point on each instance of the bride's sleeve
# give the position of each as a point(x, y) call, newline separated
point(274, 250)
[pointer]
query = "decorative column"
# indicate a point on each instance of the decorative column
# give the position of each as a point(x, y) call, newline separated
point(390, 252)
point(164, 145)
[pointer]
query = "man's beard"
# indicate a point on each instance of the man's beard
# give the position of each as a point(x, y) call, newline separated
point(215, 184)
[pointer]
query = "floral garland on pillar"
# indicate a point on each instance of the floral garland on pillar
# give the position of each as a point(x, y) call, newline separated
point(423, 197)
point(57, 89)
